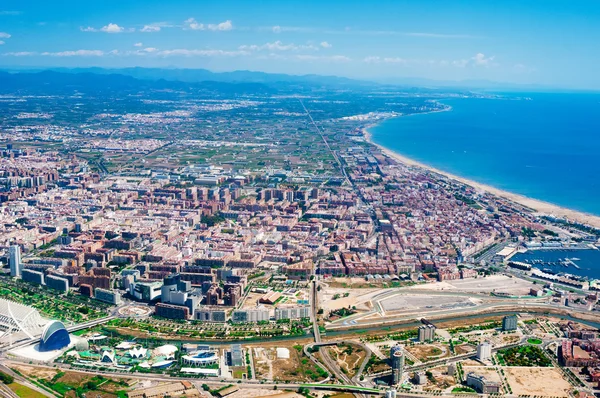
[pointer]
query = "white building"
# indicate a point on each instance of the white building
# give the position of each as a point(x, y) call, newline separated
point(292, 312)
point(16, 266)
point(484, 351)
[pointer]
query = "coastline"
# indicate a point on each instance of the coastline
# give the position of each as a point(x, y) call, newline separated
point(540, 207)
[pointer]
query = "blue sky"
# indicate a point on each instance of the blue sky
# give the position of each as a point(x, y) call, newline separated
point(547, 42)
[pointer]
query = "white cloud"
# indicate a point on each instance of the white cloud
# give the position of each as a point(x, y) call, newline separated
point(277, 29)
point(278, 46)
point(477, 60)
point(439, 35)
point(227, 25)
point(4, 35)
point(76, 53)
point(386, 60)
point(372, 60)
point(19, 54)
point(460, 63)
point(138, 44)
point(395, 60)
point(150, 49)
point(1, 42)
point(155, 27)
point(150, 28)
point(324, 44)
point(480, 60)
point(192, 24)
point(332, 58)
point(202, 53)
point(112, 28)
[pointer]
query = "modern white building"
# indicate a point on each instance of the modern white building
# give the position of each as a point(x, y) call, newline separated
point(201, 358)
point(484, 351)
point(292, 312)
point(257, 314)
point(16, 266)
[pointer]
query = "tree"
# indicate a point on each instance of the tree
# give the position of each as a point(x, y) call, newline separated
point(6, 378)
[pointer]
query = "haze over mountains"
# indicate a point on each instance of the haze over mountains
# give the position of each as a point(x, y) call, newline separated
point(35, 76)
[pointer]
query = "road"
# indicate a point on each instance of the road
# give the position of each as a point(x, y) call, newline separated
point(198, 382)
point(21, 380)
point(338, 161)
point(329, 363)
point(515, 306)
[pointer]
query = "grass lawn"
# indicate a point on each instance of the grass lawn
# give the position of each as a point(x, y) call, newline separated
point(24, 391)
point(534, 341)
point(463, 389)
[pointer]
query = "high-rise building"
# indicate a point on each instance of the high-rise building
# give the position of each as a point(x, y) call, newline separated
point(426, 333)
point(397, 360)
point(16, 266)
point(484, 351)
point(509, 322)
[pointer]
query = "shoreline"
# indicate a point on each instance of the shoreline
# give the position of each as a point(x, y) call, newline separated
point(539, 207)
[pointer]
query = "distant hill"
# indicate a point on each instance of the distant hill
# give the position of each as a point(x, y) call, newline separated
point(243, 80)
point(202, 75)
point(88, 81)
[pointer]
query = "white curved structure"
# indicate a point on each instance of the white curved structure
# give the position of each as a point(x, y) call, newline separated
point(54, 337)
point(167, 350)
point(201, 358)
point(15, 318)
point(138, 352)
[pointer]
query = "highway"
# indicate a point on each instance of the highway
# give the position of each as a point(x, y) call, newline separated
point(329, 363)
point(342, 170)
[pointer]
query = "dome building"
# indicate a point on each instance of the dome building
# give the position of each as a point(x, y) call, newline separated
point(82, 345)
point(54, 337)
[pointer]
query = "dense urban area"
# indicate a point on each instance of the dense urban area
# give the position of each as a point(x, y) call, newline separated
point(247, 240)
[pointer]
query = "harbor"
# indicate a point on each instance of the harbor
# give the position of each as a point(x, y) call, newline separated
point(580, 263)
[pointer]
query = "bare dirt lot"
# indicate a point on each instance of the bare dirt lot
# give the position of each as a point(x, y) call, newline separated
point(427, 352)
point(256, 393)
point(407, 303)
point(442, 379)
point(537, 381)
point(494, 283)
point(359, 298)
point(464, 348)
point(297, 367)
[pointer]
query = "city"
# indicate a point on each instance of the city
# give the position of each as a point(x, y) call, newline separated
point(311, 262)
point(299, 199)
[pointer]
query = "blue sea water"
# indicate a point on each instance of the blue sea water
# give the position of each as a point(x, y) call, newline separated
point(546, 148)
point(586, 259)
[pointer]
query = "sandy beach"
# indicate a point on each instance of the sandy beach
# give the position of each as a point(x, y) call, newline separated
point(540, 207)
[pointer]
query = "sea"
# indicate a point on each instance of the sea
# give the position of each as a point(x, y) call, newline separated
point(540, 145)
point(543, 146)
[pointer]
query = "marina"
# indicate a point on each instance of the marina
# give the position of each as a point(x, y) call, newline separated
point(575, 262)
